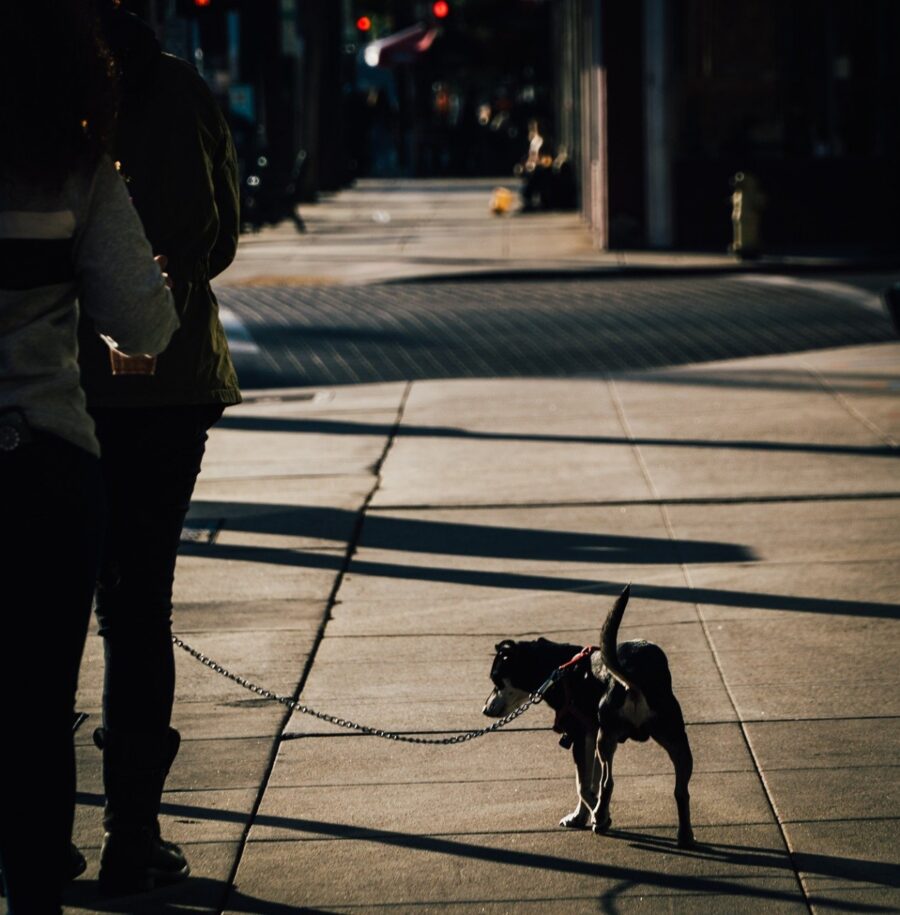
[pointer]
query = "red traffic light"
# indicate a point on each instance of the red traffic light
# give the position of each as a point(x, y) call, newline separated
point(202, 2)
point(441, 9)
point(363, 23)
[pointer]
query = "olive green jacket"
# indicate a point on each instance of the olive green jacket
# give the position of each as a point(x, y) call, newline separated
point(178, 159)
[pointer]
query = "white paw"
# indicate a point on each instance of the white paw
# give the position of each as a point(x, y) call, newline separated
point(576, 820)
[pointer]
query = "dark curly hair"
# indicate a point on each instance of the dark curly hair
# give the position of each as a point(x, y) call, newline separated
point(57, 89)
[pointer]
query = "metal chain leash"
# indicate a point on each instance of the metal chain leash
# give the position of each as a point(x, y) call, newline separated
point(533, 699)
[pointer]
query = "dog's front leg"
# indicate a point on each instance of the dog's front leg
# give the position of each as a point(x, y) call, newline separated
point(584, 752)
point(606, 749)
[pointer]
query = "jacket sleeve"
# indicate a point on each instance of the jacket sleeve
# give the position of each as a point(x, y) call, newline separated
point(120, 286)
point(226, 194)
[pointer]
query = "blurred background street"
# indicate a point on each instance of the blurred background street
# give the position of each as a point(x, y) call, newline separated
point(674, 125)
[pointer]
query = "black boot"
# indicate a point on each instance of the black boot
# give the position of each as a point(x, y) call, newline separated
point(134, 858)
point(76, 863)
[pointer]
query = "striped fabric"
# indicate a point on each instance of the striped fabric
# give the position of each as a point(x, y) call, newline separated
point(83, 242)
point(53, 225)
point(36, 249)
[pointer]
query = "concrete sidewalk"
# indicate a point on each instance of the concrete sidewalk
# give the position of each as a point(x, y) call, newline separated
point(369, 545)
point(389, 230)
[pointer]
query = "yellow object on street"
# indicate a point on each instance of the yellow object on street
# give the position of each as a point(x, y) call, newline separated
point(501, 200)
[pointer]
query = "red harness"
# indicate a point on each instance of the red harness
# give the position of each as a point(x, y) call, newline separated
point(568, 710)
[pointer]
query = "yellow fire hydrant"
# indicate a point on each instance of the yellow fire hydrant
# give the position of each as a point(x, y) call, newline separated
point(747, 205)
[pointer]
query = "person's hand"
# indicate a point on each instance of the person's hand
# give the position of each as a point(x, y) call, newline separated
point(131, 365)
point(120, 364)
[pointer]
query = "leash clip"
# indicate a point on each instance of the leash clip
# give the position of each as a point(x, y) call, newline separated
point(563, 669)
point(554, 677)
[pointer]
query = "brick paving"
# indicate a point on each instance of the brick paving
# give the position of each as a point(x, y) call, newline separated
point(327, 335)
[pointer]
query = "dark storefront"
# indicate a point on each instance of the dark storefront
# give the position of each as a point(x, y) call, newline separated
point(805, 96)
point(671, 99)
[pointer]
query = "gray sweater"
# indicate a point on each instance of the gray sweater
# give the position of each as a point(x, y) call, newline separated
point(84, 243)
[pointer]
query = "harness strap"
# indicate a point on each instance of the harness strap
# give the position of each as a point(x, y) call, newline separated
point(568, 710)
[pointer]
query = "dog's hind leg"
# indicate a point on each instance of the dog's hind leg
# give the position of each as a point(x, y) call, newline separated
point(584, 752)
point(675, 742)
point(606, 749)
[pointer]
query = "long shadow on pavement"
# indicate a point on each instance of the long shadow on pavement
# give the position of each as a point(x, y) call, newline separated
point(510, 580)
point(841, 868)
point(413, 535)
point(198, 894)
point(870, 384)
point(343, 427)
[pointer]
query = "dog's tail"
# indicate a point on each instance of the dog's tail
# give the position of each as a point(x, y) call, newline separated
point(609, 639)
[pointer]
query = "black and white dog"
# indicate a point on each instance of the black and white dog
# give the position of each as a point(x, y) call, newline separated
point(602, 698)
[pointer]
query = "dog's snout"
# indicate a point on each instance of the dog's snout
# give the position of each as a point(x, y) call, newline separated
point(491, 705)
point(503, 700)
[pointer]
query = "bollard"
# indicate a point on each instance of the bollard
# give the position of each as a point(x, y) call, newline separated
point(747, 204)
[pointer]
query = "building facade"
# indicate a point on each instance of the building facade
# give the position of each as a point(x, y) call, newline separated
point(664, 101)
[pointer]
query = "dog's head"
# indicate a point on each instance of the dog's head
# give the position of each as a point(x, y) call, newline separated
point(516, 672)
point(506, 675)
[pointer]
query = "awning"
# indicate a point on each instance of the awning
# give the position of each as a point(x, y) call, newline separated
point(400, 48)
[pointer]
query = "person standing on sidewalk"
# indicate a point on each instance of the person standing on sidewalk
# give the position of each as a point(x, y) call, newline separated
point(67, 230)
point(177, 156)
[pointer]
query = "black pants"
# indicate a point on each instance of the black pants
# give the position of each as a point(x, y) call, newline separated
point(151, 459)
point(51, 501)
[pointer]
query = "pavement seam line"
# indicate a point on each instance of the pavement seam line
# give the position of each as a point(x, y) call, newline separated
point(320, 634)
point(858, 415)
point(627, 503)
point(685, 571)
